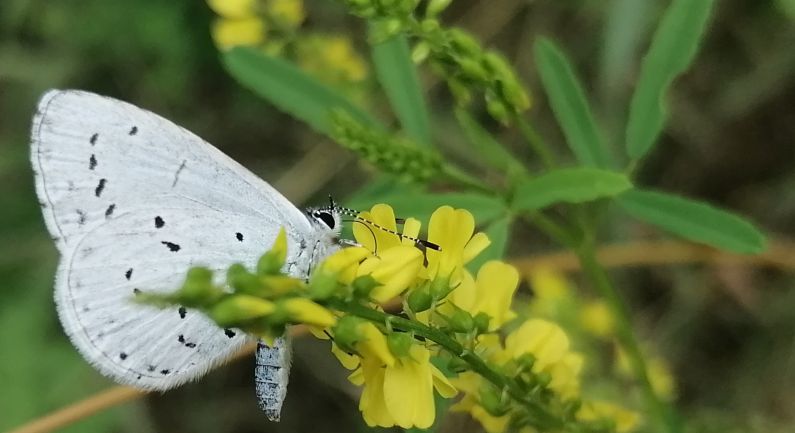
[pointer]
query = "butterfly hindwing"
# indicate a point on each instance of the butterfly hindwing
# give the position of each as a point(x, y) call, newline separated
point(133, 201)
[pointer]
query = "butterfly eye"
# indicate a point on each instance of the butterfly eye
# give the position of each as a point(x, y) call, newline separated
point(327, 219)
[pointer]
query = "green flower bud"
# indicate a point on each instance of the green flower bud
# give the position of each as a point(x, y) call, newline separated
point(322, 285)
point(482, 322)
point(346, 333)
point(399, 343)
point(440, 287)
point(435, 7)
point(243, 281)
point(543, 378)
point(236, 310)
point(420, 299)
point(461, 321)
point(491, 400)
point(198, 289)
point(420, 52)
point(363, 285)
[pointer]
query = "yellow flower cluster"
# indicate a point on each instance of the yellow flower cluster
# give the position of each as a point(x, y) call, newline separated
point(273, 25)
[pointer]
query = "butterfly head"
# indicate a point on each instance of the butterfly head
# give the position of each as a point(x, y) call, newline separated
point(327, 218)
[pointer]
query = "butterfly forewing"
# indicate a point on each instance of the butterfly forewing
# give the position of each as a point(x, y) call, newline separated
point(134, 201)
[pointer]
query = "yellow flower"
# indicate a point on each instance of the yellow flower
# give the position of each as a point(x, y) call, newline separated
point(566, 375)
point(289, 12)
point(452, 230)
point(660, 376)
point(552, 293)
point(402, 394)
point(491, 293)
point(229, 33)
point(396, 269)
point(624, 420)
point(597, 319)
point(343, 264)
point(332, 58)
point(545, 340)
point(233, 8)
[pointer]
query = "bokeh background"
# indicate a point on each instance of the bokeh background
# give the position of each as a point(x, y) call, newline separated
point(725, 333)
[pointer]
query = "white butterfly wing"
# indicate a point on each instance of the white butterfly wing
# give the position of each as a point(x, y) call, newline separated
point(133, 201)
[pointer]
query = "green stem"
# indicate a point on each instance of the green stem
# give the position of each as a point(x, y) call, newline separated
point(626, 337)
point(535, 141)
point(540, 415)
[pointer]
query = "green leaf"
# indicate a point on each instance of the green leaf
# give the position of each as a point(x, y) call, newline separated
point(497, 231)
point(672, 49)
point(491, 150)
point(398, 76)
point(568, 101)
point(694, 220)
point(289, 88)
point(571, 185)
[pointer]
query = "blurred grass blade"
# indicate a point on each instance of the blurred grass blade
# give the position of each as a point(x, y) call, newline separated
point(398, 76)
point(694, 220)
point(497, 231)
point(568, 102)
point(672, 50)
point(491, 150)
point(570, 185)
point(289, 88)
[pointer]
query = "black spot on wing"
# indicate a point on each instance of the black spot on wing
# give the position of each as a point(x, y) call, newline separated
point(181, 338)
point(93, 139)
point(81, 217)
point(182, 312)
point(128, 273)
point(92, 162)
point(109, 210)
point(239, 236)
point(229, 333)
point(159, 223)
point(100, 187)
point(150, 368)
point(123, 356)
point(137, 291)
point(165, 371)
point(171, 246)
point(134, 130)
point(190, 345)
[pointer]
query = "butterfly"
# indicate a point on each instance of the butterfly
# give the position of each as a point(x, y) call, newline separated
point(133, 201)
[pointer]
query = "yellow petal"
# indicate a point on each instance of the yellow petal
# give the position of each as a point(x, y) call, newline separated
point(373, 345)
point(347, 360)
point(475, 246)
point(372, 403)
point(442, 384)
point(228, 33)
point(495, 287)
point(411, 230)
point(408, 390)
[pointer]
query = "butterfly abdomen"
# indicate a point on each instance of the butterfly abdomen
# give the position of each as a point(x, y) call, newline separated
point(270, 376)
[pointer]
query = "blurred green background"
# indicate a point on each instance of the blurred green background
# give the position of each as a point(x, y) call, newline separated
point(727, 332)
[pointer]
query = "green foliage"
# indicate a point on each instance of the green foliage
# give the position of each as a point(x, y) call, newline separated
point(671, 52)
point(694, 220)
point(488, 148)
point(290, 89)
point(568, 101)
point(398, 77)
point(569, 185)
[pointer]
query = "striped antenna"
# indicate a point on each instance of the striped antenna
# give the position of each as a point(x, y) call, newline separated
point(355, 215)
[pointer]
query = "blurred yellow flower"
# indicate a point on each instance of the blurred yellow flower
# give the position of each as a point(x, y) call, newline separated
point(491, 293)
point(234, 9)
point(331, 57)
point(662, 380)
point(625, 420)
point(551, 293)
point(596, 318)
point(302, 310)
point(229, 33)
point(343, 264)
point(288, 12)
point(566, 375)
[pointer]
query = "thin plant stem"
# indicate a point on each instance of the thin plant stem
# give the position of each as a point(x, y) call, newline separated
point(535, 141)
point(455, 174)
